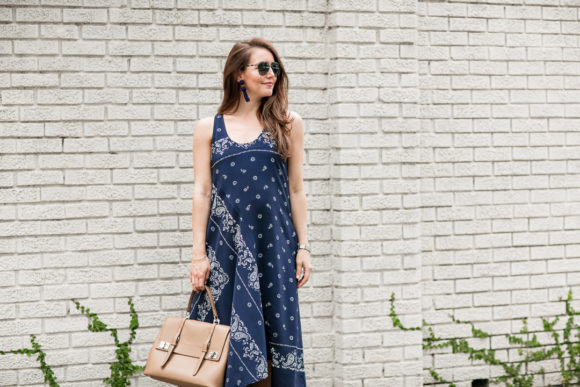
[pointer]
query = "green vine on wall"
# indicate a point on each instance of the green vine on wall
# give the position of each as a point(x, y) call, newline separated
point(121, 370)
point(36, 349)
point(566, 348)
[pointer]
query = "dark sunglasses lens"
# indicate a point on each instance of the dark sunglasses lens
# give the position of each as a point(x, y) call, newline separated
point(264, 67)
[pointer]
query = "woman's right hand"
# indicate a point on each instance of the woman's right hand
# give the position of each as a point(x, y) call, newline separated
point(199, 272)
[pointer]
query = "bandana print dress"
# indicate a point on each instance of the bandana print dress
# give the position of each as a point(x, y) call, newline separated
point(251, 243)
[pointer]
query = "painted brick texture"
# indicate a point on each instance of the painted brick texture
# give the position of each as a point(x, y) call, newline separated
point(442, 163)
point(500, 184)
point(99, 101)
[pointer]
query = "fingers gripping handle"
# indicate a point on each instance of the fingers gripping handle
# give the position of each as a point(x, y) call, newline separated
point(216, 319)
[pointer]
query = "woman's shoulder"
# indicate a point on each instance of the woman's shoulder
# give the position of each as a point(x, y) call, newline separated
point(204, 127)
point(293, 115)
point(295, 121)
point(206, 121)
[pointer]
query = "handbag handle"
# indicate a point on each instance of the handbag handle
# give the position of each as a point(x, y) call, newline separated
point(216, 320)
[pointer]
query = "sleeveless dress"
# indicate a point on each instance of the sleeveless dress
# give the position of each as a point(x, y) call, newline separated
point(251, 243)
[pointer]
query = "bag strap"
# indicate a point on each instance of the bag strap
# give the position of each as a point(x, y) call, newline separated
point(173, 344)
point(216, 319)
point(204, 350)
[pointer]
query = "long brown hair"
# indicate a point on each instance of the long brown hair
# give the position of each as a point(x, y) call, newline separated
point(273, 110)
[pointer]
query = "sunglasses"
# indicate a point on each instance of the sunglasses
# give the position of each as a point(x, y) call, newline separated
point(264, 67)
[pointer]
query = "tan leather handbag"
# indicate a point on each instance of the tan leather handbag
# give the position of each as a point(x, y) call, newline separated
point(190, 353)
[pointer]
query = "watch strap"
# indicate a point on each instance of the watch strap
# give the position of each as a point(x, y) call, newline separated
point(303, 246)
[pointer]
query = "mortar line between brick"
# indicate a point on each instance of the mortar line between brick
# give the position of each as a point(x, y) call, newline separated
point(331, 183)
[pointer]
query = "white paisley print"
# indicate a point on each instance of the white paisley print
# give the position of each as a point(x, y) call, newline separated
point(228, 224)
point(252, 243)
point(292, 359)
point(219, 147)
point(239, 332)
point(219, 279)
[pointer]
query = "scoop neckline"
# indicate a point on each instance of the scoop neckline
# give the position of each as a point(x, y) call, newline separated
point(240, 143)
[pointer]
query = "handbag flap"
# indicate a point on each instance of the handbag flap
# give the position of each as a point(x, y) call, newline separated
point(193, 337)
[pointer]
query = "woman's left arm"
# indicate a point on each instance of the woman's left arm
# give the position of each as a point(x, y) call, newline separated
point(298, 197)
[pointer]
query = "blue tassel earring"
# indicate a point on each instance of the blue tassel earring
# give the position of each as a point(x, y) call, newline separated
point(244, 91)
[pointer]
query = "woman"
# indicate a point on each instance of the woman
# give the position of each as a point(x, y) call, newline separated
point(249, 219)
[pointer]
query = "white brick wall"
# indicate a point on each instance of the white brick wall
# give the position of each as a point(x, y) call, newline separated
point(99, 100)
point(499, 196)
point(441, 163)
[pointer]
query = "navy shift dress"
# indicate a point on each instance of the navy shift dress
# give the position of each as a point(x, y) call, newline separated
point(251, 243)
